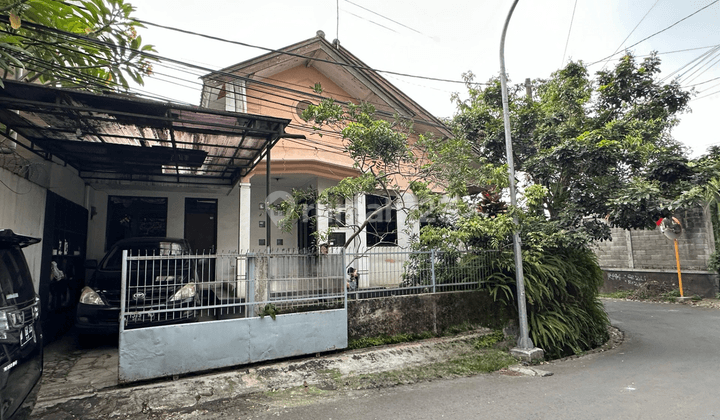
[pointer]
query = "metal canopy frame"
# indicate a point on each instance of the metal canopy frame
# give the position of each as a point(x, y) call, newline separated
point(115, 137)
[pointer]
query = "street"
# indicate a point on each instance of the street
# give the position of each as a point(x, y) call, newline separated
point(665, 369)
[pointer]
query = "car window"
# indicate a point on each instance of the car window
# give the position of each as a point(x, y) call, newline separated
point(113, 261)
point(15, 281)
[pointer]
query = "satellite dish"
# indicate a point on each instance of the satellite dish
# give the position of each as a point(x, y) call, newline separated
point(670, 227)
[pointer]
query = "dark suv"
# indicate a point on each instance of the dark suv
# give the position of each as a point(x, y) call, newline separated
point(21, 354)
point(161, 289)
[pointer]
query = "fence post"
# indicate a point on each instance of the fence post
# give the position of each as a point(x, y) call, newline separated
point(432, 267)
point(342, 279)
point(250, 292)
point(123, 287)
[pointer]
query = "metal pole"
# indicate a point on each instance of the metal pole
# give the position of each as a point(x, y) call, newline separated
point(524, 341)
point(677, 260)
point(267, 194)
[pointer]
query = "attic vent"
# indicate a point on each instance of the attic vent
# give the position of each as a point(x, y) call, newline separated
point(301, 107)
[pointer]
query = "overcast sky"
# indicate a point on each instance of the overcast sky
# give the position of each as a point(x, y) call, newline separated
point(446, 39)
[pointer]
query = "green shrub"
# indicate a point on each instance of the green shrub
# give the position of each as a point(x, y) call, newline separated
point(564, 314)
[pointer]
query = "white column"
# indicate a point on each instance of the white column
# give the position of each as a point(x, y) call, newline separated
point(244, 217)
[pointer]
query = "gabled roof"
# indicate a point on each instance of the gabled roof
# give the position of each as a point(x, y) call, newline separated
point(344, 69)
point(126, 139)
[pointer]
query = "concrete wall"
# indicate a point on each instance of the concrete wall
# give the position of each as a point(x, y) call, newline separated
point(633, 257)
point(694, 282)
point(650, 249)
point(422, 313)
point(22, 209)
point(22, 200)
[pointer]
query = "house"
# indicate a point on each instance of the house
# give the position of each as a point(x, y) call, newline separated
point(282, 83)
point(82, 170)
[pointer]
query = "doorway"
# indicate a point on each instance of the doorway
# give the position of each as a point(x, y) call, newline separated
point(201, 224)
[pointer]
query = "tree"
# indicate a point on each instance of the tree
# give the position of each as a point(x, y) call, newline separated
point(89, 44)
point(600, 150)
point(391, 163)
point(587, 151)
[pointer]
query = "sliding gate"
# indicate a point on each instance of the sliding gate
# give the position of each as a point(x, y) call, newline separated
point(177, 318)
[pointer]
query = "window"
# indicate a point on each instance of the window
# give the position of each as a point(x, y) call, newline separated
point(225, 96)
point(336, 214)
point(336, 218)
point(301, 107)
point(336, 239)
point(382, 228)
point(135, 217)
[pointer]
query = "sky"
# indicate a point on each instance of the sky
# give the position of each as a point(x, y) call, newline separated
point(443, 40)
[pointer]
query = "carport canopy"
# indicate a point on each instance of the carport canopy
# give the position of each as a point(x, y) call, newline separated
point(119, 138)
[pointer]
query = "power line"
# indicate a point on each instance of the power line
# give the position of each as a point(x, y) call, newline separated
point(371, 21)
point(707, 66)
point(208, 70)
point(699, 58)
point(567, 41)
point(353, 66)
point(633, 30)
point(702, 83)
point(660, 31)
point(385, 17)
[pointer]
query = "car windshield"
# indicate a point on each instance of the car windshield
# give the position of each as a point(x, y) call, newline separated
point(113, 261)
point(15, 282)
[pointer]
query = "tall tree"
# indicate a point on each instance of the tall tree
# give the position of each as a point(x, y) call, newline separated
point(599, 149)
point(389, 167)
point(88, 44)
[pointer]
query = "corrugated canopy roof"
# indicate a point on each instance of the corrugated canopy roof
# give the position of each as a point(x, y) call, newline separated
point(121, 138)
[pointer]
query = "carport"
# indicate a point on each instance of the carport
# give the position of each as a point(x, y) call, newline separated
point(124, 139)
point(127, 142)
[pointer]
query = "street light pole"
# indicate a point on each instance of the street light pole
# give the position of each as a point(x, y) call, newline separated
point(525, 344)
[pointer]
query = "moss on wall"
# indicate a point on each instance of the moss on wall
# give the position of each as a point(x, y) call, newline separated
point(417, 314)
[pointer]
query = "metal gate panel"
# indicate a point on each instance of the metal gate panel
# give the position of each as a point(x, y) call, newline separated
point(156, 352)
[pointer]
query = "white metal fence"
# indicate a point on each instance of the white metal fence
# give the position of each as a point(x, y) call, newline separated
point(179, 288)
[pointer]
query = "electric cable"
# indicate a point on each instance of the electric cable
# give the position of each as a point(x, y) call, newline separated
point(197, 67)
point(659, 32)
point(633, 30)
point(385, 17)
point(567, 41)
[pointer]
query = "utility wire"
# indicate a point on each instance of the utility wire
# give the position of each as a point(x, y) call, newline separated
point(659, 32)
point(567, 41)
point(353, 66)
point(385, 17)
point(207, 70)
point(633, 30)
point(699, 59)
point(702, 70)
point(702, 83)
point(371, 21)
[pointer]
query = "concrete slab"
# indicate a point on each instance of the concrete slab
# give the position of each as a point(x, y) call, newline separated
point(528, 355)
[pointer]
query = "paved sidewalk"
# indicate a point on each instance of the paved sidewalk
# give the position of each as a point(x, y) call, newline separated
point(82, 383)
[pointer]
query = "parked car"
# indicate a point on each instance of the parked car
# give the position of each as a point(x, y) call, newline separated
point(164, 284)
point(21, 340)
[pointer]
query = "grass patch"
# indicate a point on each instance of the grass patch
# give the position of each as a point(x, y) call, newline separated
point(470, 364)
point(489, 340)
point(382, 340)
point(620, 294)
point(670, 296)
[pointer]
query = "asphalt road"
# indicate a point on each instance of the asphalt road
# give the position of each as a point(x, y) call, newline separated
point(665, 369)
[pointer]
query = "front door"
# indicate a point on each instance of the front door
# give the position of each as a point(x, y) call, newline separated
point(201, 224)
